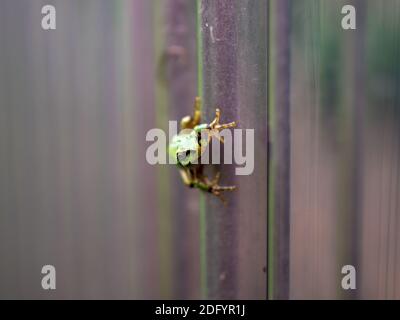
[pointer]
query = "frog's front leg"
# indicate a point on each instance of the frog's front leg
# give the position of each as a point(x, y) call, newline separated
point(189, 122)
point(216, 127)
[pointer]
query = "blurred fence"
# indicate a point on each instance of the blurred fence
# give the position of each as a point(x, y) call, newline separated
point(76, 190)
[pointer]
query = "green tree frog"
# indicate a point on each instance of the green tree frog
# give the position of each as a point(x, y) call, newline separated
point(188, 146)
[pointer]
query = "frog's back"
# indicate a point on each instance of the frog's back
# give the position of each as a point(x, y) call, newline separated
point(182, 142)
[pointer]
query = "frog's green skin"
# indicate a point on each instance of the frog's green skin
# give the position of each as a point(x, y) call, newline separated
point(187, 147)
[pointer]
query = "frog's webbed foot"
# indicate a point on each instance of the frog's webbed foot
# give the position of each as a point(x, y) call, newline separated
point(216, 189)
point(216, 127)
point(198, 180)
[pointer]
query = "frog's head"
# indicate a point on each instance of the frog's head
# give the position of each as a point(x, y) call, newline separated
point(184, 148)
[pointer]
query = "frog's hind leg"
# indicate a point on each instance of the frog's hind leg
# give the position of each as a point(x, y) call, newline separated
point(214, 184)
point(190, 122)
point(190, 179)
point(186, 177)
point(215, 188)
point(197, 180)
